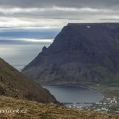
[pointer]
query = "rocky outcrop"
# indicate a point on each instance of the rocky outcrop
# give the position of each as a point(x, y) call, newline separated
point(15, 84)
point(80, 54)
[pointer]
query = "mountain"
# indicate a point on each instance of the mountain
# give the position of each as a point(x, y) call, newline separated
point(82, 53)
point(15, 84)
point(24, 109)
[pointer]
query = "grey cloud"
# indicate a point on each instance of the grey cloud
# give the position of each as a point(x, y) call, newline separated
point(61, 3)
point(60, 14)
point(56, 13)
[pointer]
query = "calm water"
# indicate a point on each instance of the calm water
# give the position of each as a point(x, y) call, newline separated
point(19, 55)
point(74, 94)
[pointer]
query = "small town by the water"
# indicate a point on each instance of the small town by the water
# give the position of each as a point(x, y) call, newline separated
point(107, 105)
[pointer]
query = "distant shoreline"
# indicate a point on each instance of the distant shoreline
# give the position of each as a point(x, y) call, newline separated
point(77, 85)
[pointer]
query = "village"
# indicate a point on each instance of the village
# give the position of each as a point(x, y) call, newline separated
point(108, 105)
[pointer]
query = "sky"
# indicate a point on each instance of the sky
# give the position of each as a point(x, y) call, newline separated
point(49, 14)
point(23, 21)
point(27, 25)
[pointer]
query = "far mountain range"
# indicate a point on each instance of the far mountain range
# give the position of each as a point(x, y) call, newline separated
point(82, 53)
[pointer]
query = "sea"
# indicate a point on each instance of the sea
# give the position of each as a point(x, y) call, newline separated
point(20, 54)
point(74, 95)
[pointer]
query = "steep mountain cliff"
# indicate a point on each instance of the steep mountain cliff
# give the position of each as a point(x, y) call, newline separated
point(15, 84)
point(81, 53)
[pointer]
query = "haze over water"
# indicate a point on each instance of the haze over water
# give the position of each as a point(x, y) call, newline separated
point(19, 47)
point(20, 55)
point(19, 52)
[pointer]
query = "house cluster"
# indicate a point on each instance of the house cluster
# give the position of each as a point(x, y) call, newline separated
point(107, 105)
point(103, 106)
point(108, 101)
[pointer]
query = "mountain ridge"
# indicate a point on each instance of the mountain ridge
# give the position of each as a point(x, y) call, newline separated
point(82, 53)
point(15, 84)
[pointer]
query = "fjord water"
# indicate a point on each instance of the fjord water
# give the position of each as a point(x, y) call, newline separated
point(74, 94)
point(19, 55)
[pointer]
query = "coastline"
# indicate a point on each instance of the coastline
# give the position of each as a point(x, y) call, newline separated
point(78, 85)
point(103, 89)
point(99, 91)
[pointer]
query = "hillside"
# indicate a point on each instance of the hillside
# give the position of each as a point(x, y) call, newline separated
point(22, 109)
point(15, 84)
point(83, 53)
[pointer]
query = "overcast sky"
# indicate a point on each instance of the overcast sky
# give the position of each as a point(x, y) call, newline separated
point(37, 22)
point(56, 13)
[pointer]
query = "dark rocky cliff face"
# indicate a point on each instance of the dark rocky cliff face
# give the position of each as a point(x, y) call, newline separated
point(15, 84)
point(80, 54)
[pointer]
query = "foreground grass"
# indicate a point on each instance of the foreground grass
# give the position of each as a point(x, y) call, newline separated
point(11, 108)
